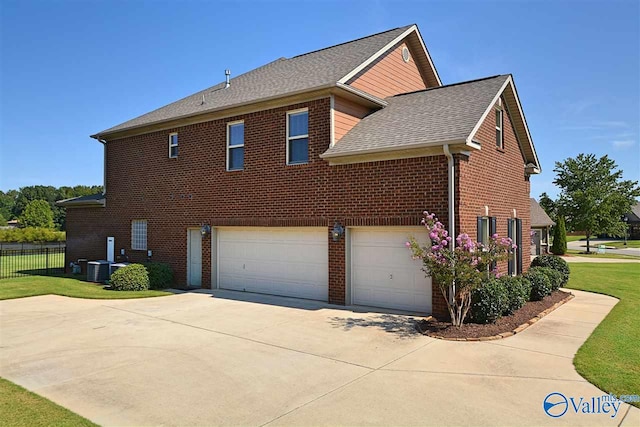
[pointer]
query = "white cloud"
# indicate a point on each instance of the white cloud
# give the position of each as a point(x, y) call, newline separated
point(623, 143)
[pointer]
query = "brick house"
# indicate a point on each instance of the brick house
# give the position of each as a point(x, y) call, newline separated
point(305, 177)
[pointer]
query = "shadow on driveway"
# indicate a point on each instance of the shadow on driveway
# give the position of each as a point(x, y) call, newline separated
point(401, 326)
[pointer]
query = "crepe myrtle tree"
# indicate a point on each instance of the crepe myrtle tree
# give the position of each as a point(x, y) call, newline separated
point(458, 267)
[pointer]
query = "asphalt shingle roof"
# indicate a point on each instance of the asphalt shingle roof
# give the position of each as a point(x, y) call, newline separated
point(539, 217)
point(280, 77)
point(446, 113)
point(82, 200)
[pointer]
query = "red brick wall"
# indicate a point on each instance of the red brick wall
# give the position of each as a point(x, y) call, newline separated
point(195, 188)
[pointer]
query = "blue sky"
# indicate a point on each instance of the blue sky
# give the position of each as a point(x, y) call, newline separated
point(73, 68)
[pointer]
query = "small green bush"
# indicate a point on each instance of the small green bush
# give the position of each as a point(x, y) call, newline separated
point(555, 278)
point(518, 290)
point(133, 277)
point(488, 301)
point(559, 246)
point(160, 275)
point(540, 283)
point(555, 262)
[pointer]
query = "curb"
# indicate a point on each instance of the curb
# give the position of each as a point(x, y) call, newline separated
point(508, 333)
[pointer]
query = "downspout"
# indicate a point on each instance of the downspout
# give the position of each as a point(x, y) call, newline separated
point(452, 213)
point(104, 165)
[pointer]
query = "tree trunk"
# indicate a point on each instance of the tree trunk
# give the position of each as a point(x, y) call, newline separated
point(588, 247)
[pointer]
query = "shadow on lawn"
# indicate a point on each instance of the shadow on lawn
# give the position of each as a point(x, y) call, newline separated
point(401, 326)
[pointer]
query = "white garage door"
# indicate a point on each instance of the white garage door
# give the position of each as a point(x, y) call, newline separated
point(278, 261)
point(383, 273)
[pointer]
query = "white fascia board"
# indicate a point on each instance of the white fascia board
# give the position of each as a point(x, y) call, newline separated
point(394, 148)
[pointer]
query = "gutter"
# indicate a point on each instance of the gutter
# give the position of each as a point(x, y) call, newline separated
point(452, 217)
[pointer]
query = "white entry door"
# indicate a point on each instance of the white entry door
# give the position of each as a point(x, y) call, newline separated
point(275, 260)
point(194, 258)
point(382, 271)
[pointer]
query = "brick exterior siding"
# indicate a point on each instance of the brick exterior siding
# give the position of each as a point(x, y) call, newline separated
point(175, 194)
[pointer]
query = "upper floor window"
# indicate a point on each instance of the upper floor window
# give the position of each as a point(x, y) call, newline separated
point(139, 235)
point(499, 127)
point(298, 137)
point(173, 145)
point(235, 146)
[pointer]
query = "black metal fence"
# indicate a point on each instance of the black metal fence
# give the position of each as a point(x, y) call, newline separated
point(43, 261)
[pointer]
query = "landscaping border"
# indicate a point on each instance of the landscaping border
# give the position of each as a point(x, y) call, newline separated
point(508, 333)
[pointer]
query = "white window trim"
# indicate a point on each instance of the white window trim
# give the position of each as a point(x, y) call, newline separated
point(513, 258)
point(237, 122)
point(171, 144)
point(501, 127)
point(134, 241)
point(289, 139)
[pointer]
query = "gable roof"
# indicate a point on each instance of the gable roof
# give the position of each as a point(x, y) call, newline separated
point(448, 114)
point(634, 215)
point(310, 71)
point(539, 217)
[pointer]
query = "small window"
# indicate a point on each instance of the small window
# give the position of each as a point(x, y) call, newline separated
point(297, 137)
point(139, 235)
point(173, 145)
point(499, 126)
point(235, 146)
point(483, 230)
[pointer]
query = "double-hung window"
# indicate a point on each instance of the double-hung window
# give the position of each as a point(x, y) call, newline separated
point(139, 235)
point(235, 146)
point(514, 231)
point(297, 137)
point(499, 127)
point(173, 145)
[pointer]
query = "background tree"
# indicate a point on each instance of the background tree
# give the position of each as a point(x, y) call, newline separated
point(7, 201)
point(549, 205)
point(559, 246)
point(593, 195)
point(37, 214)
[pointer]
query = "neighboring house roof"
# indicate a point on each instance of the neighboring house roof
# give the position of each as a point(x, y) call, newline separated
point(634, 215)
point(91, 200)
point(329, 67)
point(539, 217)
point(433, 117)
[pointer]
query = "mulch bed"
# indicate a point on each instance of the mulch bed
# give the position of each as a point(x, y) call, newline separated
point(505, 326)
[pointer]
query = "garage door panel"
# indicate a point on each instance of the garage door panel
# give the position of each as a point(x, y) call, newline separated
point(279, 261)
point(383, 273)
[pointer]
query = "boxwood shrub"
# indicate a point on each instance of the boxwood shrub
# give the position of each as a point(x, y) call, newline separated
point(518, 290)
point(160, 275)
point(555, 277)
point(133, 277)
point(488, 301)
point(555, 262)
point(540, 283)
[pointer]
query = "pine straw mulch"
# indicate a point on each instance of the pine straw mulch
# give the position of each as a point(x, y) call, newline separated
point(506, 326)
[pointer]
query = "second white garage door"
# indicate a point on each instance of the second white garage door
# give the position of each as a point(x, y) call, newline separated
point(279, 261)
point(383, 273)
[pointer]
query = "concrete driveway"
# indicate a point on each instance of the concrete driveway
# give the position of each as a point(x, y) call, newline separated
point(238, 359)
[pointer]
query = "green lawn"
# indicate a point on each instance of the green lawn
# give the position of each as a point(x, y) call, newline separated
point(609, 358)
point(575, 238)
point(30, 264)
point(66, 286)
point(594, 254)
point(620, 244)
point(20, 407)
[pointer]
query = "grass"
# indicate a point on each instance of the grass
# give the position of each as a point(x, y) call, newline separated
point(66, 286)
point(609, 358)
point(594, 254)
point(20, 407)
point(620, 244)
point(11, 265)
point(576, 238)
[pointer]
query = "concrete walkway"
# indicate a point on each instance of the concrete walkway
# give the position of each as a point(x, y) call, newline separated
point(238, 359)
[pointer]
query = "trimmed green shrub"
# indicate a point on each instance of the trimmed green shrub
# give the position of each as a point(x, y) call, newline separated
point(133, 277)
point(555, 262)
point(540, 283)
point(555, 278)
point(160, 275)
point(559, 246)
point(488, 301)
point(518, 290)
point(31, 235)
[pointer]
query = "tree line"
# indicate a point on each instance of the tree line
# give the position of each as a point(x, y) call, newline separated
point(14, 203)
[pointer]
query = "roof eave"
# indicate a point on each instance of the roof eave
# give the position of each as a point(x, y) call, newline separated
point(458, 142)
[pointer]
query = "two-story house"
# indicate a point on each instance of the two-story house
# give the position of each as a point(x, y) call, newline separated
point(305, 177)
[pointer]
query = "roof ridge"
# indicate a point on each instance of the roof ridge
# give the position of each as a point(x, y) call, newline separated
point(451, 85)
point(351, 41)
